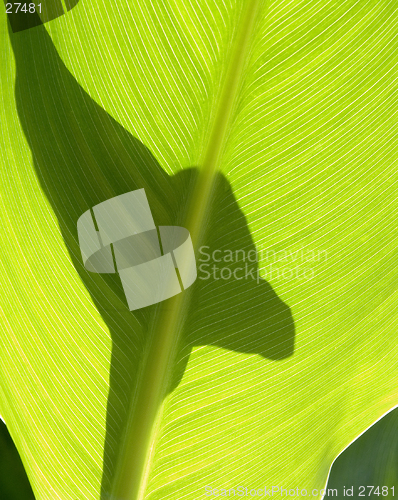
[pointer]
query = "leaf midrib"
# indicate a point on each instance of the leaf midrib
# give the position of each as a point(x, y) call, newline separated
point(133, 467)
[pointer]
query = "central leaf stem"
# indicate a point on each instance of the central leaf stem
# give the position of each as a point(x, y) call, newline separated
point(133, 466)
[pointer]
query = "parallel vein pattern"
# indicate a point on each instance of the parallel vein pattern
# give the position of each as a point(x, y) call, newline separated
point(308, 179)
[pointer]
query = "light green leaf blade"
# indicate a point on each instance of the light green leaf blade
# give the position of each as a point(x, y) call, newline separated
point(295, 110)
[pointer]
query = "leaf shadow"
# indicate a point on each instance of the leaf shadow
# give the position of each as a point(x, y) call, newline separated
point(82, 157)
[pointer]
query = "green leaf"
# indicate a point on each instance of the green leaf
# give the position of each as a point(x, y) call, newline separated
point(268, 130)
point(369, 464)
point(14, 484)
